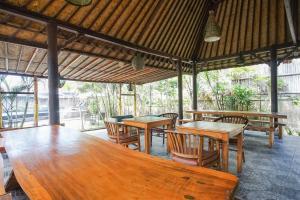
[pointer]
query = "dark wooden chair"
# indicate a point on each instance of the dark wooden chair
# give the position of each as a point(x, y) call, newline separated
point(234, 120)
point(160, 131)
point(189, 149)
point(120, 134)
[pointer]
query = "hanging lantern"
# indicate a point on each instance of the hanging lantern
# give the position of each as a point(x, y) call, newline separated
point(80, 2)
point(130, 89)
point(212, 29)
point(138, 62)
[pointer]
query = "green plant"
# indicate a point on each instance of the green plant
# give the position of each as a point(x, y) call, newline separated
point(295, 101)
point(239, 98)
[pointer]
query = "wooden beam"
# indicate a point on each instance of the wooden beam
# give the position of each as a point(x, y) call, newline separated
point(24, 13)
point(70, 64)
point(1, 112)
point(274, 93)
point(180, 96)
point(31, 59)
point(194, 86)
point(44, 46)
point(289, 16)
point(134, 101)
point(36, 102)
point(19, 58)
point(120, 99)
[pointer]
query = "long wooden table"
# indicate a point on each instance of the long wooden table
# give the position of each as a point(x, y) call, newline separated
point(272, 119)
point(54, 162)
point(219, 131)
point(147, 123)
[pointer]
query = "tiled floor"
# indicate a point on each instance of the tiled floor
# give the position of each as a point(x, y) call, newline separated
point(267, 174)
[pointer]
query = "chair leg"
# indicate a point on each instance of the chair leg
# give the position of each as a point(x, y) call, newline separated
point(139, 140)
point(163, 134)
point(244, 160)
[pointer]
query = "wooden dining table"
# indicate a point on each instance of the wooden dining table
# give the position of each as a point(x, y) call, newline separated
point(272, 120)
point(54, 162)
point(219, 131)
point(147, 123)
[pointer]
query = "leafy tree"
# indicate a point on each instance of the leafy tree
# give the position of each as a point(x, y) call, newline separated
point(240, 98)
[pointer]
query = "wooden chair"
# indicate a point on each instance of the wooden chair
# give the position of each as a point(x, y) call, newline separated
point(160, 131)
point(120, 134)
point(234, 120)
point(189, 149)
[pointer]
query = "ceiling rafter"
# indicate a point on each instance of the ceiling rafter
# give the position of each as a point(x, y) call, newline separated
point(31, 59)
point(289, 15)
point(19, 58)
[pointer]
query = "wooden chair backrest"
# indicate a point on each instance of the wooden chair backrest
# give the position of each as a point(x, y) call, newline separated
point(172, 116)
point(186, 145)
point(233, 120)
point(113, 129)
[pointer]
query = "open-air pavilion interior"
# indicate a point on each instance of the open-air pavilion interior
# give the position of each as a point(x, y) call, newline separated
point(139, 42)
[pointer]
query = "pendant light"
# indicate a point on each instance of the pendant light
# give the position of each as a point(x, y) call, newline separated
point(79, 2)
point(212, 29)
point(138, 62)
point(130, 89)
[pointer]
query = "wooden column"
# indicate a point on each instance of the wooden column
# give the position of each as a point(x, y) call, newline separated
point(150, 100)
point(274, 93)
point(53, 76)
point(134, 98)
point(36, 102)
point(1, 112)
point(120, 99)
point(194, 86)
point(180, 101)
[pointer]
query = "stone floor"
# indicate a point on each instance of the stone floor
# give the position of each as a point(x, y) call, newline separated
point(267, 173)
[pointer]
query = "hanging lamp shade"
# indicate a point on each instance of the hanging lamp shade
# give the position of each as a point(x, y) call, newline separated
point(138, 62)
point(130, 88)
point(79, 2)
point(212, 29)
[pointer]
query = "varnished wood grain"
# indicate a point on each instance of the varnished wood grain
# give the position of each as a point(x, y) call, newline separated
point(55, 162)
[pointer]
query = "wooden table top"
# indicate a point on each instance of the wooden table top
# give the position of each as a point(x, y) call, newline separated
point(248, 113)
point(218, 127)
point(147, 119)
point(54, 162)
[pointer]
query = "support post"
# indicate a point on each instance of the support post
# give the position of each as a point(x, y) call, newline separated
point(274, 93)
point(36, 102)
point(1, 112)
point(195, 106)
point(53, 76)
point(120, 99)
point(180, 101)
point(134, 98)
point(150, 100)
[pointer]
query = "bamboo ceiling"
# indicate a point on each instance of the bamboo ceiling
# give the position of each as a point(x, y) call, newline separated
point(172, 28)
